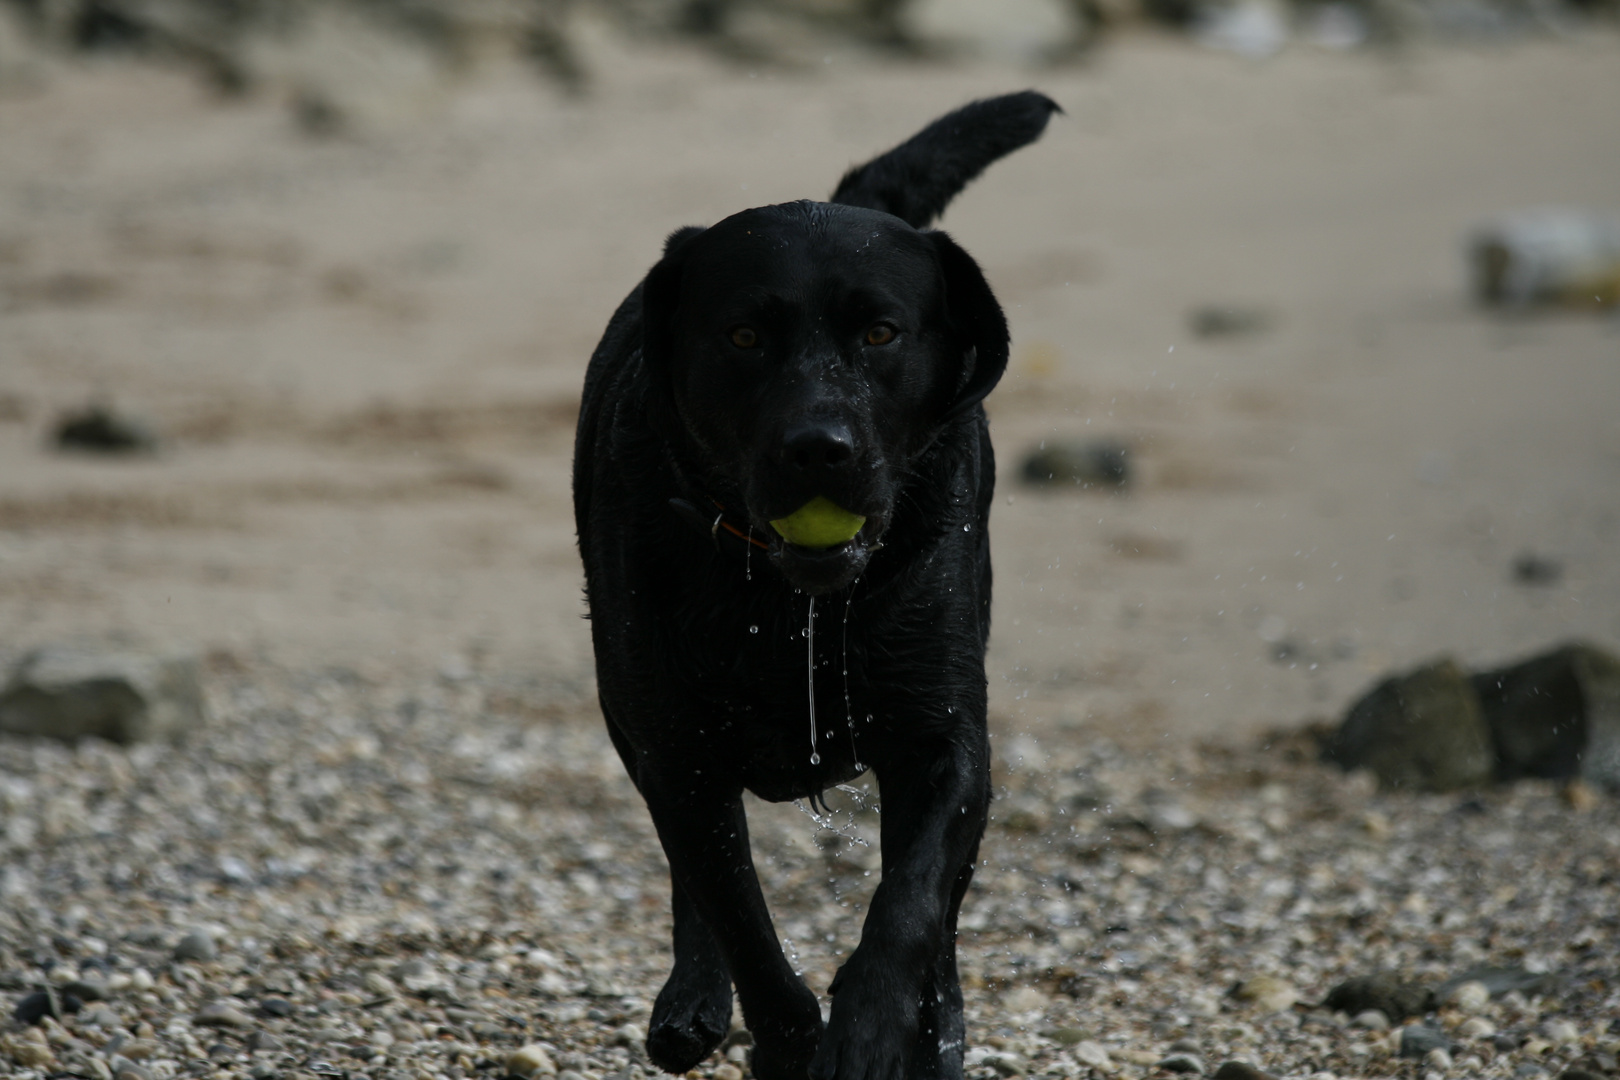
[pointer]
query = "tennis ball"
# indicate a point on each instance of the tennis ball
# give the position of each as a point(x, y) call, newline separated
point(819, 523)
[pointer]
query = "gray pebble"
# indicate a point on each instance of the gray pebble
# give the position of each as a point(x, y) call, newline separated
point(263, 1041)
point(276, 1006)
point(222, 1014)
point(1372, 1020)
point(1240, 1070)
point(197, 945)
point(1505, 1043)
point(1417, 1040)
point(1182, 1063)
point(1186, 1046)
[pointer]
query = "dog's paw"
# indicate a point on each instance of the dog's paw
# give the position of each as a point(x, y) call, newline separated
point(784, 1045)
point(688, 1021)
point(873, 1031)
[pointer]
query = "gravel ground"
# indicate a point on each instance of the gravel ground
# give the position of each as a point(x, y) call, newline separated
point(344, 878)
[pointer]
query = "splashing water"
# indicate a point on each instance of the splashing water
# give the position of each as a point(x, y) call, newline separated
point(748, 556)
point(810, 652)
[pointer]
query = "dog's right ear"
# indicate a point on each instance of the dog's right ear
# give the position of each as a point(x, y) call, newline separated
point(660, 298)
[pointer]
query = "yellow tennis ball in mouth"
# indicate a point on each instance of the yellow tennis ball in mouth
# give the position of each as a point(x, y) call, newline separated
point(819, 523)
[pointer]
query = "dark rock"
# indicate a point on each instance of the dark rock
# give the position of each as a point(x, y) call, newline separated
point(263, 1041)
point(1182, 1063)
point(1240, 1070)
point(72, 693)
point(222, 1014)
point(100, 430)
point(1580, 1074)
point(1386, 992)
point(197, 945)
point(1186, 1046)
point(1417, 1040)
point(1100, 465)
point(1216, 320)
point(1555, 715)
point(1423, 730)
point(86, 990)
point(276, 1006)
point(1504, 1043)
point(1532, 569)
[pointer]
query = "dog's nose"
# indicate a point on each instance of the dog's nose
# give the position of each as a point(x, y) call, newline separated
point(818, 450)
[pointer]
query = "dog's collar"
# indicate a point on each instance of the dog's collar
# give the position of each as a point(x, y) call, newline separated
point(713, 527)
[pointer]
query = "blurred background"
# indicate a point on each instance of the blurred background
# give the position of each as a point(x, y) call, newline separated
point(1313, 303)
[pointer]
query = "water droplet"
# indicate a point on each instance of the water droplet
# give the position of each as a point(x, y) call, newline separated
point(967, 528)
point(754, 629)
point(815, 759)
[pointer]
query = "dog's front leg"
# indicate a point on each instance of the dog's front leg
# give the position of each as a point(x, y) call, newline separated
point(897, 1007)
point(705, 836)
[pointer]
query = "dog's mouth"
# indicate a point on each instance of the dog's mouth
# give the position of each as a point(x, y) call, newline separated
point(819, 570)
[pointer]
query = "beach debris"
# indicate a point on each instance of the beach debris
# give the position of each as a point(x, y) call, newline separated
point(123, 696)
point(100, 429)
point(1104, 465)
point(1546, 256)
point(1422, 730)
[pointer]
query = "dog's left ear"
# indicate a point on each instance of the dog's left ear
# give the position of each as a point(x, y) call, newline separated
point(977, 323)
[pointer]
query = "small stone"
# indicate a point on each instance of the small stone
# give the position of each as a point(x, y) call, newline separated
point(728, 1071)
point(1525, 1070)
point(33, 1008)
point(1006, 1063)
point(262, 1041)
point(529, 1061)
point(1093, 1055)
point(1417, 1040)
point(1476, 1027)
point(1560, 1032)
point(1438, 1059)
point(197, 945)
point(417, 975)
point(1387, 992)
point(1024, 999)
point(1266, 992)
point(1505, 1043)
point(1066, 1036)
point(1470, 997)
point(27, 1052)
point(277, 1007)
point(737, 1055)
point(1372, 1020)
point(1536, 1046)
point(380, 985)
point(131, 1072)
point(1186, 1046)
point(86, 989)
point(1240, 1070)
point(1182, 1063)
point(222, 1014)
point(100, 1016)
point(631, 1035)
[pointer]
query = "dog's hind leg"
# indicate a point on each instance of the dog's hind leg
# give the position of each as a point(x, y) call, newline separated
point(693, 1010)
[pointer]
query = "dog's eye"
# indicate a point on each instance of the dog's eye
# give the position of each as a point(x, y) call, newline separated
point(881, 334)
point(744, 337)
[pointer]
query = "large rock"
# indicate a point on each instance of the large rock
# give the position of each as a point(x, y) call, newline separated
point(1556, 715)
point(1423, 730)
point(71, 693)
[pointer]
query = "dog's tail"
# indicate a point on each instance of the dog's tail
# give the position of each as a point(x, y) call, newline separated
point(917, 179)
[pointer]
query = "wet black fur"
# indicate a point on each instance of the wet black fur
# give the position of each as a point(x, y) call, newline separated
point(701, 657)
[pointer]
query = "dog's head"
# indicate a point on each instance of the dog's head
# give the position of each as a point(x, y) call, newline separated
point(811, 349)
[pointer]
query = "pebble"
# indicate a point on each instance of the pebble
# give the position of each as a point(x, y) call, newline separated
point(1240, 1070)
point(529, 1061)
point(1066, 1036)
point(1505, 1043)
point(276, 1006)
point(1560, 1032)
point(1438, 1059)
point(1372, 1020)
point(1267, 993)
point(33, 1008)
point(28, 1052)
point(197, 945)
point(1181, 1063)
point(222, 1014)
point(1417, 1040)
point(1472, 996)
point(728, 1071)
point(1186, 1046)
point(1092, 1054)
point(1476, 1027)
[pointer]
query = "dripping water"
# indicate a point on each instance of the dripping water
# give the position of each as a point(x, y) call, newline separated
point(810, 651)
point(849, 711)
point(748, 556)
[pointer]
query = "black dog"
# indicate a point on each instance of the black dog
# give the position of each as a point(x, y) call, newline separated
point(806, 351)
